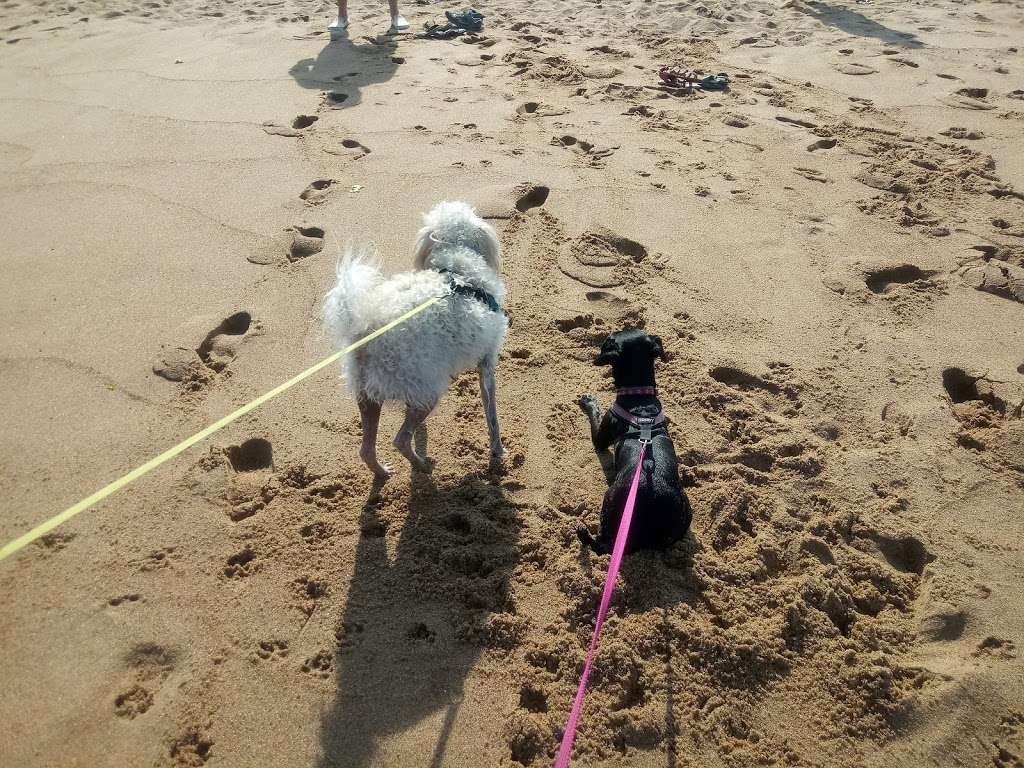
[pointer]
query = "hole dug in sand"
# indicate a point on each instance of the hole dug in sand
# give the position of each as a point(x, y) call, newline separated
point(252, 455)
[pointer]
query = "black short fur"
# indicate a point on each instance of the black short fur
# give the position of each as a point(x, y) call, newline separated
point(662, 513)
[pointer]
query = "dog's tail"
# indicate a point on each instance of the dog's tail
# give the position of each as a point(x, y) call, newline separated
point(346, 305)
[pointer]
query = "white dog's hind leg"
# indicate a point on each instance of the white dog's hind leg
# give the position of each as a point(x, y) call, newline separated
point(488, 392)
point(370, 413)
point(414, 417)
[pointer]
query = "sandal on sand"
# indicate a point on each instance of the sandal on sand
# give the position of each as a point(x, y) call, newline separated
point(398, 24)
point(440, 31)
point(719, 82)
point(469, 19)
point(677, 77)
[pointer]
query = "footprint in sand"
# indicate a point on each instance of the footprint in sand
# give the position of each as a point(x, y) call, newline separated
point(531, 196)
point(133, 702)
point(241, 564)
point(968, 98)
point(296, 243)
point(884, 279)
point(348, 635)
point(221, 344)
point(821, 144)
point(943, 625)
point(148, 666)
point(795, 121)
point(114, 602)
point(199, 353)
point(502, 203)
point(854, 68)
point(812, 174)
point(533, 698)
point(316, 533)
point(904, 553)
point(298, 125)
point(317, 191)
point(540, 109)
point(193, 748)
point(596, 257)
point(998, 647)
point(606, 298)
point(995, 276)
point(271, 650)
point(306, 241)
point(353, 147)
point(319, 664)
point(585, 149)
point(962, 133)
point(736, 121)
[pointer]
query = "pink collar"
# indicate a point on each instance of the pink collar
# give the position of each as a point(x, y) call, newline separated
point(637, 391)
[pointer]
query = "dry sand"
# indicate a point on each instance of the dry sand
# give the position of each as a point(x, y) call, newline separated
point(833, 252)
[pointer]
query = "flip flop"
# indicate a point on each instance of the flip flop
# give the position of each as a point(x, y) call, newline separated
point(677, 77)
point(719, 82)
point(469, 19)
point(440, 31)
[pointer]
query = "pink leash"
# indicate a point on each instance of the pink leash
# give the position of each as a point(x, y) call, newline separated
point(565, 751)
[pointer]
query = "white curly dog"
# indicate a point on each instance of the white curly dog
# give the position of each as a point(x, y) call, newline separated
point(456, 253)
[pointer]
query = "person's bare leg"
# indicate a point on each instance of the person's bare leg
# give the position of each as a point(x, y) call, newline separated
point(398, 24)
point(414, 417)
point(338, 27)
point(370, 413)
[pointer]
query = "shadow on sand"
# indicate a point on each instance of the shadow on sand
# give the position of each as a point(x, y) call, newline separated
point(854, 23)
point(344, 68)
point(416, 619)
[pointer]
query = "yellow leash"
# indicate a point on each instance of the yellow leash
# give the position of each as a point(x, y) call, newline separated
point(44, 528)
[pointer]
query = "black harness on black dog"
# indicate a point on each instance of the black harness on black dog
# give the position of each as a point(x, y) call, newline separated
point(642, 428)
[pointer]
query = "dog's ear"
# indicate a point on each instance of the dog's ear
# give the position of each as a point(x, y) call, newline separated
point(610, 352)
point(656, 347)
point(421, 251)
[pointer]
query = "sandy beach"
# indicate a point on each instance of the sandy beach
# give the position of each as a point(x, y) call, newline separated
point(832, 251)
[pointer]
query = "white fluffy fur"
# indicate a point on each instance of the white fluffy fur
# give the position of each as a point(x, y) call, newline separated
point(415, 362)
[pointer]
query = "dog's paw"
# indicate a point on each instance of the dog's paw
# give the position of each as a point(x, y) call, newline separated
point(423, 465)
point(383, 471)
point(587, 403)
point(498, 451)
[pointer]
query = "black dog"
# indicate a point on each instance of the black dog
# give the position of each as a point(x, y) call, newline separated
point(662, 513)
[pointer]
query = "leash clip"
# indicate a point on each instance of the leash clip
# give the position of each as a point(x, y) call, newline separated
point(646, 427)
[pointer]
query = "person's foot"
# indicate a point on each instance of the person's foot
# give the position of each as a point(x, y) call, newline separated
point(338, 27)
point(398, 24)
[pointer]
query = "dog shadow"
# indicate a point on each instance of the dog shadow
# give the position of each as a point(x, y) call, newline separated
point(407, 639)
point(344, 68)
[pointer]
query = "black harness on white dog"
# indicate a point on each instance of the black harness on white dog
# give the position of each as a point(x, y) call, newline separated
point(456, 286)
